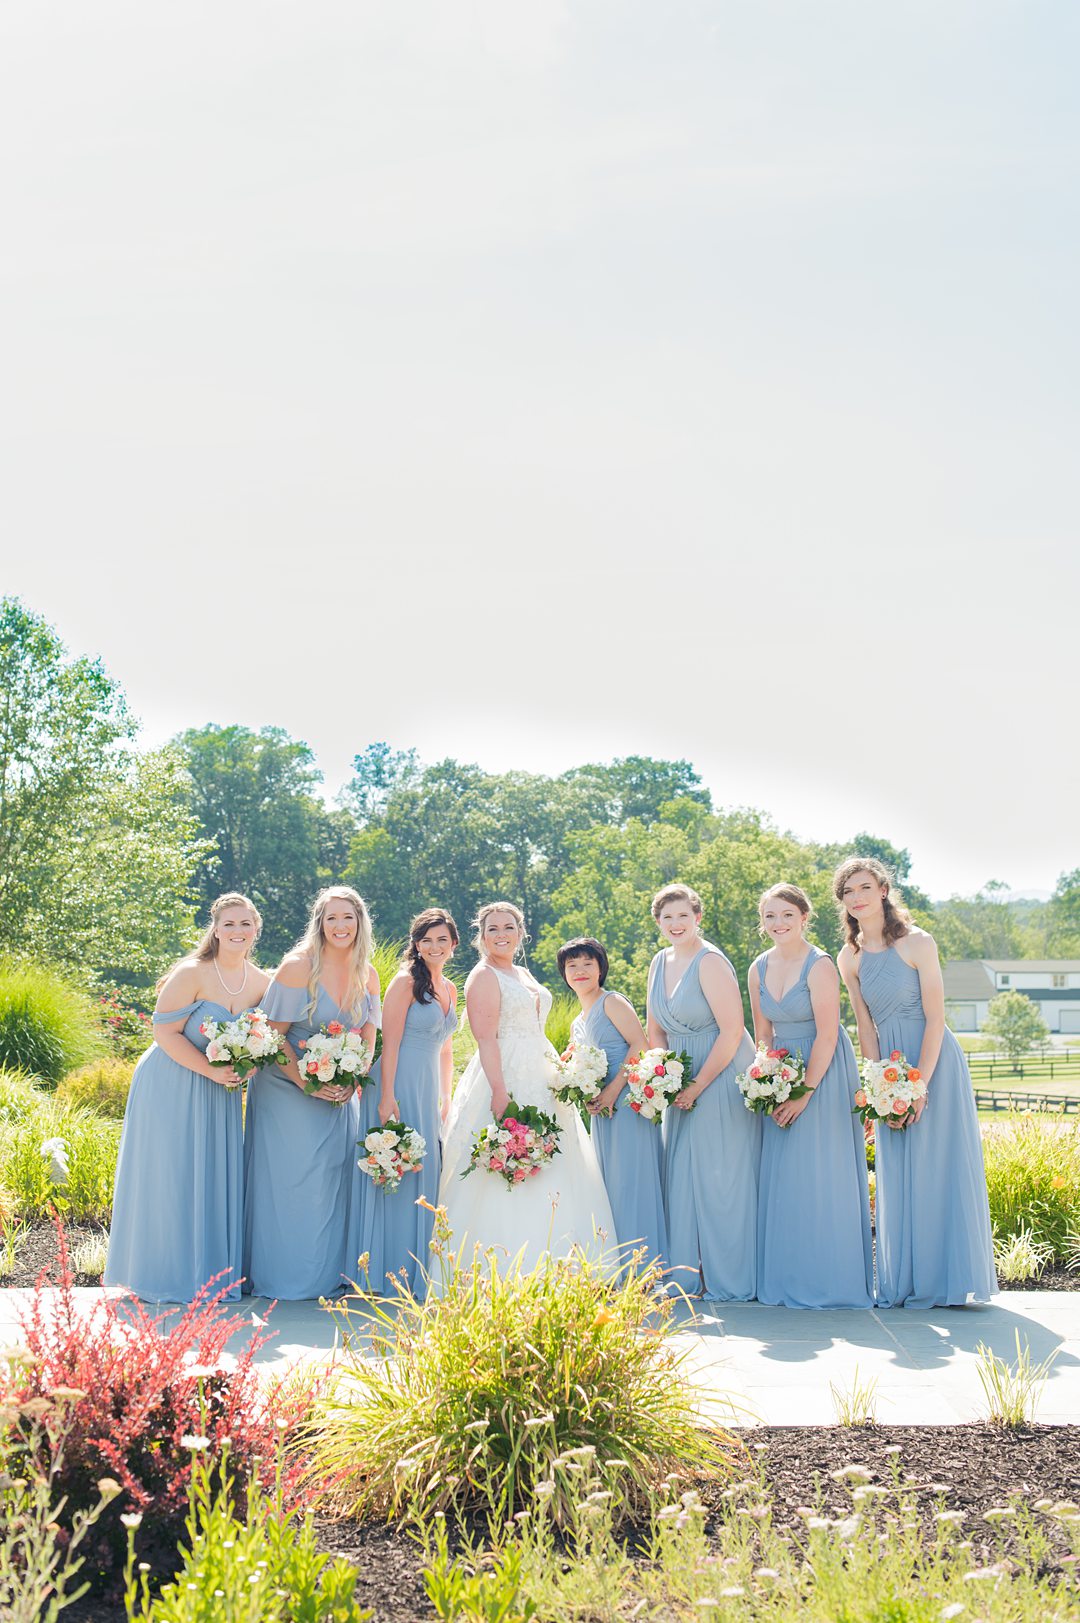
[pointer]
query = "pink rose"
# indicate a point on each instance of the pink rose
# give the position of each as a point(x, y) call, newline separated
point(755, 1070)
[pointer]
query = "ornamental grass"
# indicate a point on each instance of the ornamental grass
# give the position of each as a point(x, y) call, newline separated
point(46, 1025)
point(464, 1402)
point(1033, 1179)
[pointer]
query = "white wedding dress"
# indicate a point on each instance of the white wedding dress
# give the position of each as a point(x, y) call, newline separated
point(565, 1205)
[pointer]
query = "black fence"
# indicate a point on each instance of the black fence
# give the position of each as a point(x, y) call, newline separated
point(1060, 1104)
point(1063, 1066)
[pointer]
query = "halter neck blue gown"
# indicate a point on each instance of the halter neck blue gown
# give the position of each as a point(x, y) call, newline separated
point(387, 1223)
point(178, 1209)
point(934, 1247)
point(298, 1163)
point(711, 1153)
point(814, 1242)
point(630, 1151)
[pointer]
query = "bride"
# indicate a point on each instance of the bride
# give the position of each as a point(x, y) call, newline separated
point(566, 1204)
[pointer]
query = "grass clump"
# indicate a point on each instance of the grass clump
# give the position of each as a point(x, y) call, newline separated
point(1033, 1178)
point(1012, 1391)
point(20, 1096)
point(47, 1026)
point(63, 1160)
point(101, 1086)
point(855, 1405)
point(464, 1403)
point(1020, 1256)
point(565, 1009)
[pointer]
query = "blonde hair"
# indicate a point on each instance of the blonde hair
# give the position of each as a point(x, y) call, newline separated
point(898, 920)
point(311, 943)
point(675, 893)
point(206, 949)
point(485, 913)
point(786, 893)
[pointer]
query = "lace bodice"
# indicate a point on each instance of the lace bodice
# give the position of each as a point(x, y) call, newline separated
point(518, 1015)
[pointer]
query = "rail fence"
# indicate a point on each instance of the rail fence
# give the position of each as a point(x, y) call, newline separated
point(1066, 1104)
point(1063, 1066)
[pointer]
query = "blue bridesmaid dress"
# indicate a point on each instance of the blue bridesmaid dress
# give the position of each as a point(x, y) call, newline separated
point(630, 1151)
point(178, 1208)
point(934, 1247)
point(814, 1243)
point(298, 1163)
point(711, 1153)
point(387, 1223)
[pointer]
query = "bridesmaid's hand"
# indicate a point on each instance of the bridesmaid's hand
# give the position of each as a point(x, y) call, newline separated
point(226, 1076)
point(606, 1100)
point(920, 1106)
point(688, 1098)
point(388, 1111)
point(333, 1092)
point(790, 1110)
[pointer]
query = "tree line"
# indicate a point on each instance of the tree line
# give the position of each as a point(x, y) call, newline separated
point(109, 853)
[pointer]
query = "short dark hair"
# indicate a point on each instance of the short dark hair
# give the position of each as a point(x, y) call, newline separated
point(583, 946)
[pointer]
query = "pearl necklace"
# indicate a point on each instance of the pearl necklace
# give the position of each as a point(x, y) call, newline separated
point(227, 989)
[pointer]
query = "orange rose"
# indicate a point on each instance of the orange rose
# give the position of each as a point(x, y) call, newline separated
point(896, 1054)
point(914, 1076)
point(891, 1074)
point(860, 1098)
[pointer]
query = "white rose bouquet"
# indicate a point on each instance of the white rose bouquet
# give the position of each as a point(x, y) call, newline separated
point(656, 1078)
point(582, 1073)
point(335, 1054)
point(246, 1043)
point(390, 1152)
point(775, 1076)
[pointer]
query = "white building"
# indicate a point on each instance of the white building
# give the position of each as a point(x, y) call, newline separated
point(1052, 984)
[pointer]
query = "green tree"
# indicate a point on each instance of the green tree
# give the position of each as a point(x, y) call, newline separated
point(1016, 1023)
point(1064, 916)
point(377, 772)
point(981, 926)
point(273, 838)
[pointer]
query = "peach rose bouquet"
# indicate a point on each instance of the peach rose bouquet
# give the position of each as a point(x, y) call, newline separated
point(890, 1089)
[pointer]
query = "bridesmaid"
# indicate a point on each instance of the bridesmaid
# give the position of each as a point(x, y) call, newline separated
point(630, 1151)
point(178, 1208)
point(411, 1083)
point(299, 1149)
point(711, 1156)
point(814, 1244)
point(934, 1247)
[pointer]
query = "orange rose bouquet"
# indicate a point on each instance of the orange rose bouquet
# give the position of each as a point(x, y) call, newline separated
point(890, 1089)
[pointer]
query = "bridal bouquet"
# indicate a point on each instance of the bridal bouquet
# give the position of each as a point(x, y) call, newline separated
point(889, 1090)
point(776, 1075)
point(390, 1152)
point(518, 1146)
point(582, 1074)
point(335, 1054)
point(246, 1043)
point(655, 1079)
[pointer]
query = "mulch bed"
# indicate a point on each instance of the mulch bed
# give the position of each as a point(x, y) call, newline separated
point(969, 1468)
point(38, 1250)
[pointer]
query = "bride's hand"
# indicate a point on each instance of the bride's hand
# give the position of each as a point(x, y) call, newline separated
point(500, 1101)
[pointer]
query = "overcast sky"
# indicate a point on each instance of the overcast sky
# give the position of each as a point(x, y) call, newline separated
point(537, 383)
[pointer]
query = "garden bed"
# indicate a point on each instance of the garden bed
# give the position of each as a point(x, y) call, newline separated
point(973, 1469)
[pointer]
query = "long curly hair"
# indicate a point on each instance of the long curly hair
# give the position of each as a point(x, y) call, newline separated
point(423, 989)
point(311, 943)
point(898, 920)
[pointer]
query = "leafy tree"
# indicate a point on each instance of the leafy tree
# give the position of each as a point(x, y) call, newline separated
point(1064, 916)
point(982, 926)
point(1016, 1023)
point(637, 786)
point(377, 772)
point(255, 797)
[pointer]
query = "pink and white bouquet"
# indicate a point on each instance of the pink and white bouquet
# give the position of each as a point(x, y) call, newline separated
point(517, 1147)
point(246, 1043)
point(582, 1074)
point(889, 1090)
point(390, 1152)
point(775, 1076)
point(656, 1078)
point(337, 1053)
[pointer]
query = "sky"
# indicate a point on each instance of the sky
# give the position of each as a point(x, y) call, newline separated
point(536, 383)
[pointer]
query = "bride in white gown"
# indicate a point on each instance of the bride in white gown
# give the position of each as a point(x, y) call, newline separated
point(565, 1205)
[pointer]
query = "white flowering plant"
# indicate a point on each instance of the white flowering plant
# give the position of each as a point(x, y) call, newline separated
point(655, 1078)
point(246, 1043)
point(775, 1076)
point(890, 1089)
point(582, 1071)
point(517, 1147)
point(337, 1053)
point(391, 1152)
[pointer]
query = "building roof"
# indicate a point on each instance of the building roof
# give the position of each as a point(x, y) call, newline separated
point(968, 978)
point(1031, 966)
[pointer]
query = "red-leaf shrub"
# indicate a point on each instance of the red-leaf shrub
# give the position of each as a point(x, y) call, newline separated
point(142, 1390)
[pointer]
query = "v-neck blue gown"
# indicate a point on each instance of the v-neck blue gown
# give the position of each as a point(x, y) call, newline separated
point(630, 1151)
point(814, 1243)
point(711, 1153)
point(387, 1224)
point(298, 1163)
point(178, 1208)
point(934, 1246)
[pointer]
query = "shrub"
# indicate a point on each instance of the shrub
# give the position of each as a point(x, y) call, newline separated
point(101, 1086)
point(19, 1097)
point(1033, 1178)
point(465, 1400)
point(46, 1026)
point(127, 1030)
point(146, 1396)
point(263, 1568)
point(32, 1157)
